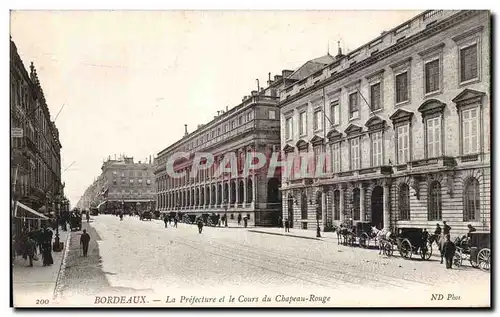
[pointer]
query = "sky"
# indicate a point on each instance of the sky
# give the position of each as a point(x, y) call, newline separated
point(130, 80)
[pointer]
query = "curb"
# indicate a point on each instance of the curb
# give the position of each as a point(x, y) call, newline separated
point(60, 277)
point(285, 235)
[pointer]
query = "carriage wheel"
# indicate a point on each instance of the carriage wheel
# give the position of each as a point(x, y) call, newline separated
point(483, 259)
point(426, 253)
point(388, 248)
point(406, 249)
point(363, 240)
point(457, 258)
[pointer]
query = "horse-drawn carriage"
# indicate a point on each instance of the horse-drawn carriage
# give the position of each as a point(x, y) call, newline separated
point(75, 221)
point(476, 248)
point(409, 241)
point(146, 215)
point(364, 233)
point(211, 220)
point(189, 219)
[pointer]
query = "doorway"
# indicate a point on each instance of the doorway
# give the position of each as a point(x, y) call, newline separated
point(378, 207)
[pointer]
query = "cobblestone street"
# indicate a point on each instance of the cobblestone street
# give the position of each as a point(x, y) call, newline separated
point(142, 257)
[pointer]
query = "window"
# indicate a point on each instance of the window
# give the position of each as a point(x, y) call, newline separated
point(470, 138)
point(434, 199)
point(434, 137)
point(336, 205)
point(334, 113)
point(377, 149)
point(402, 87)
point(318, 157)
point(432, 76)
point(403, 147)
point(404, 202)
point(318, 120)
point(240, 120)
point(302, 123)
point(355, 154)
point(375, 101)
point(272, 115)
point(336, 157)
point(289, 128)
point(356, 204)
point(249, 116)
point(471, 200)
point(353, 106)
point(468, 63)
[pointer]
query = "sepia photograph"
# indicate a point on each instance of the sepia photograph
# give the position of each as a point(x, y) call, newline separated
point(246, 158)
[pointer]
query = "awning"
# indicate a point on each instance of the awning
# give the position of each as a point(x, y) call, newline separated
point(36, 213)
point(101, 204)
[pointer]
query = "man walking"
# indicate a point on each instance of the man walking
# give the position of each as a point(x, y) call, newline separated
point(29, 250)
point(175, 222)
point(287, 226)
point(165, 220)
point(200, 225)
point(239, 219)
point(449, 251)
point(446, 228)
point(84, 241)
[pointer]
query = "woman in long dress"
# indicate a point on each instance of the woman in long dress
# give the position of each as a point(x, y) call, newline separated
point(47, 248)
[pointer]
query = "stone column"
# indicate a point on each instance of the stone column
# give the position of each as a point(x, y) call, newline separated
point(210, 193)
point(362, 203)
point(387, 206)
point(216, 193)
point(223, 193)
point(323, 211)
point(341, 204)
point(244, 191)
point(254, 188)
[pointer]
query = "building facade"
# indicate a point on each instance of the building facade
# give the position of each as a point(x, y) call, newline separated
point(403, 123)
point(252, 126)
point(123, 185)
point(35, 145)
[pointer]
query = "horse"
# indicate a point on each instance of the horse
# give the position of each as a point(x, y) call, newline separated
point(381, 237)
point(344, 234)
point(440, 240)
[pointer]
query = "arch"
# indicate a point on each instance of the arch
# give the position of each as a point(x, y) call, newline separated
point(226, 193)
point(232, 186)
point(434, 201)
point(356, 203)
point(273, 191)
point(336, 204)
point(319, 205)
point(290, 210)
point(241, 191)
point(471, 200)
point(303, 205)
point(404, 201)
point(377, 207)
point(249, 190)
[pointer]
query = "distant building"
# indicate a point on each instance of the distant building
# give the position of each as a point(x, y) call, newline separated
point(405, 121)
point(123, 185)
point(251, 126)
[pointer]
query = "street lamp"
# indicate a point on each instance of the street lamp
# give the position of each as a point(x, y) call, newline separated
point(57, 243)
point(318, 229)
point(225, 209)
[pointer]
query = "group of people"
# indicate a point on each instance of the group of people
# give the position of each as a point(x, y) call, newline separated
point(167, 219)
point(32, 243)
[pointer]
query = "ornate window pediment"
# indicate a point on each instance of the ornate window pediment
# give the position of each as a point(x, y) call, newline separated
point(431, 106)
point(334, 135)
point(375, 123)
point(302, 145)
point(467, 97)
point(401, 116)
point(288, 148)
point(316, 140)
point(353, 129)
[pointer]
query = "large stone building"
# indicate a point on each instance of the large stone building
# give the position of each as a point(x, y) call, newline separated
point(123, 185)
point(405, 123)
point(35, 144)
point(251, 126)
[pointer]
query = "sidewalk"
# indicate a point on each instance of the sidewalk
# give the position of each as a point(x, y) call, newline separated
point(297, 233)
point(37, 282)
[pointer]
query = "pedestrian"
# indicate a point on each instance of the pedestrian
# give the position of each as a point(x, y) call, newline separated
point(449, 251)
point(245, 221)
point(165, 220)
point(169, 219)
point(239, 219)
point(47, 247)
point(88, 216)
point(175, 222)
point(287, 226)
point(29, 250)
point(84, 241)
point(280, 224)
point(446, 228)
point(200, 225)
point(471, 228)
point(425, 238)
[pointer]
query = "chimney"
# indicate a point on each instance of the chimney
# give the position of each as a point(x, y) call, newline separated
point(218, 112)
point(254, 92)
point(339, 54)
point(258, 86)
point(277, 77)
point(185, 129)
point(286, 73)
point(227, 108)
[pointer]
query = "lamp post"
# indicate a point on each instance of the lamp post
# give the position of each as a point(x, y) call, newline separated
point(57, 243)
point(225, 209)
